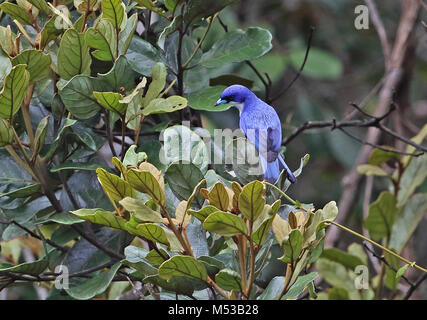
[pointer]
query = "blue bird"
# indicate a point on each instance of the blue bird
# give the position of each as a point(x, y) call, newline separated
point(261, 125)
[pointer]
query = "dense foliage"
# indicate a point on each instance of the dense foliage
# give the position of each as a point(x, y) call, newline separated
point(88, 81)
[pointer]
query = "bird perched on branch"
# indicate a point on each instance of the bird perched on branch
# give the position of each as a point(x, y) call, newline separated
point(261, 125)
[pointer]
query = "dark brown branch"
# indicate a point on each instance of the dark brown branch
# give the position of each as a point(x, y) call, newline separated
point(371, 122)
point(34, 235)
point(382, 259)
point(113, 254)
point(414, 287)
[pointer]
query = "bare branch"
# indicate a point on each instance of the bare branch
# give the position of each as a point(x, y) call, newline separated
point(379, 26)
point(373, 121)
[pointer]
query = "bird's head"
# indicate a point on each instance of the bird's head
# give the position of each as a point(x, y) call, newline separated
point(235, 95)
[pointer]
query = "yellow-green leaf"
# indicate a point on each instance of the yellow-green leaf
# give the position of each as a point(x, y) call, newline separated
point(38, 63)
point(252, 200)
point(183, 266)
point(73, 55)
point(140, 210)
point(111, 101)
point(225, 224)
point(100, 216)
point(115, 187)
point(218, 197)
point(14, 91)
point(145, 182)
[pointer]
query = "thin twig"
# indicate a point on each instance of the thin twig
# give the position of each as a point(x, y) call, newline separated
point(310, 38)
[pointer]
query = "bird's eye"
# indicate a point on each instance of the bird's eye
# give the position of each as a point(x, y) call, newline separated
point(229, 98)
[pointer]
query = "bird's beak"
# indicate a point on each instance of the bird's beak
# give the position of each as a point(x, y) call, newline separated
point(220, 101)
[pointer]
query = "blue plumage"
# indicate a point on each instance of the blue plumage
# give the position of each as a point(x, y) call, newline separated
point(261, 125)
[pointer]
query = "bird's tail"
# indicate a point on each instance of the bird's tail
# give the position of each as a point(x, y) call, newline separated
point(273, 169)
point(283, 165)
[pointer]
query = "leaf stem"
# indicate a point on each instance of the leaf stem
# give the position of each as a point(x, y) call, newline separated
point(185, 65)
point(284, 194)
point(412, 264)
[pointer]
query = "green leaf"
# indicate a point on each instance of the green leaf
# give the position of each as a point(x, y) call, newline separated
point(281, 229)
point(213, 266)
point(417, 139)
point(182, 178)
point(237, 46)
point(49, 32)
point(125, 35)
point(330, 211)
point(38, 63)
point(22, 192)
point(40, 136)
point(206, 98)
point(121, 76)
point(346, 259)
point(102, 37)
point(335, 274)
point(65, 218)
point(145, 182)
point(182, 144)
point(161, 105)
point(14, 91)
point(252, 200)
point(95, 286)
point(100, 216)
point(137, 259)
point(149, 4)
point(150, 232)
point(229, 280)
point(5, 63)
point(86, 5)
point(110, 101)
point(218, 197)
point(391, 278)
point(183, 266)
point(197, 9)
point(115, 187)
point(292, 246)
point(225, 224)
point(133, 158)
point(300, 285)
point(320, 64)
point(338, 294)
point(155, 258)
point(381, 216)
point(158, 82)
point(407, 220)
point(6, 133)
point(41, 5)
point(413, 176)
point(32, 268)
point(401, 271)
point(371, 170)
point(273, 290)
point(263, 227)
point(73, 55)
point(203, 213)
point(143, 56)
point(379, 156)
point(16, 12)
point(113, 11)
point(77, 96)
point(140, 210)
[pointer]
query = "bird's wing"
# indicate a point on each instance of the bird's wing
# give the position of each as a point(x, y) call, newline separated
point(263, 129)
